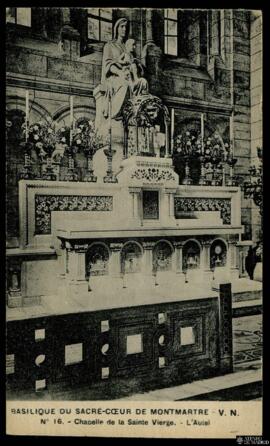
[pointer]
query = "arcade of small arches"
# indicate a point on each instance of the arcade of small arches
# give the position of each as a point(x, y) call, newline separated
point(161, 255)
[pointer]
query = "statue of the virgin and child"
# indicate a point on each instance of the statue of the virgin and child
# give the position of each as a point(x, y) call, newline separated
point(122, 73)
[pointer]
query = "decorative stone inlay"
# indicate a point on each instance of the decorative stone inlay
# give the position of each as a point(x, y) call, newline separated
point(45, 204)
point(153, 174)
point(205, 204)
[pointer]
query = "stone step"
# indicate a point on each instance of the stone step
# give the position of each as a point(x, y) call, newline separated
point(202, 387)
point(247, 308)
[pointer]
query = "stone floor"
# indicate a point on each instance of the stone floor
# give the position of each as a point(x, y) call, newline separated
point(247, 339)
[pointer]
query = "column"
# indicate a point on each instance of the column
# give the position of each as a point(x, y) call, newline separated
point(149, 25)
point(206, 255)
point(61, 254)
point(225, 328)
point(71, 264)
point(69, 37)
point(135, 192)
point(243, 247)
point(178, 257)
point(80, 251)
point(115, 259)
point(148, 258)
point(170, 202)
point(215, 33)
point(151, 54)
point(78, 285)
point(232, 255)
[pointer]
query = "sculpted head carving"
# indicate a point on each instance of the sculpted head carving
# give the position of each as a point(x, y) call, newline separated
point(120, 29)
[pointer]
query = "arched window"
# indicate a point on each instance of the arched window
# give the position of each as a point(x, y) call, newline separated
point(97, 258)
point(191, 255)
point(218, 254)
point(131, 257)
point(162, 256)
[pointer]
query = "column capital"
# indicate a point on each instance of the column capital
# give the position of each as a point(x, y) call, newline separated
point(178, 244)
point(81, 248)
point(170, 190)
point(116, 246)
point(68, 246)
point(148, 245)
point(134, 190)
point(232, 242)
point(206, 241)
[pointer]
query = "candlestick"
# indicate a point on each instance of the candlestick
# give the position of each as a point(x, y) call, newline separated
point(110, 123)
point(26, 114)
point(147, 139)
point(202, 131)
point(71, 119)
point(232, 134)
point(172, 128)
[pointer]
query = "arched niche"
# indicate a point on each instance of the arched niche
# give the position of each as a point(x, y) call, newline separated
point(62, 115)
point(97, 260)
point(131, 258)
point(218, 254)
point(162, 256)
point(37, 112)
point(191, 255)
point(14, 121)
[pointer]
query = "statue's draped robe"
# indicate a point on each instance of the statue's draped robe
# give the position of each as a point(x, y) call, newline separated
point(116, 87)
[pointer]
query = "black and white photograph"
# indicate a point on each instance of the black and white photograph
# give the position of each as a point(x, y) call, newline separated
point(134, 207)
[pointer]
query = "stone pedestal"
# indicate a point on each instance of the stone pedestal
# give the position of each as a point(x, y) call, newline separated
point(76, 269)
point(15, 299)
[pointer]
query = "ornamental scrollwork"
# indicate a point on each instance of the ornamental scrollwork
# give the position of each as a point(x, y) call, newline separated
point(205, 204)
point(153, 174)
point(46, 204)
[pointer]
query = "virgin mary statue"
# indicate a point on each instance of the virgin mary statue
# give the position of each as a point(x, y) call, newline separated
point(116, 77)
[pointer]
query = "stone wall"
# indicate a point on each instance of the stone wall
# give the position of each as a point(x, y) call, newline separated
point(241, 102)
point(217, 80)
point(256, 104)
